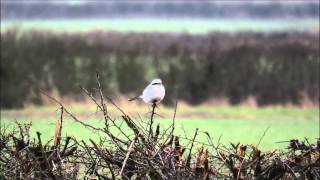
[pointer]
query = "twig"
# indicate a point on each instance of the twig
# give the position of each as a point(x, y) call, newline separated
point(45, 156)
point(151, 120)
point(69, 113)
point(239, 171)
point(264, 133)
point(134, 128)
point(57, 135)
point(104, 107)
point(189, 156)
point(65, 146)
point(127, 156)
point(174, 117)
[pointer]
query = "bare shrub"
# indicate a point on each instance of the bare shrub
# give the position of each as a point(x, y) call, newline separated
point(143, 150)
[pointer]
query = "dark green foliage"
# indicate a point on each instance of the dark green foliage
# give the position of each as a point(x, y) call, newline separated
point(274, 68)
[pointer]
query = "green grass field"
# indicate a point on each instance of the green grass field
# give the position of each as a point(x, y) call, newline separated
point(194, 26)
point(232, 124)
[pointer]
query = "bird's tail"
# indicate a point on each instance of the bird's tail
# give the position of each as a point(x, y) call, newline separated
point(134, 98)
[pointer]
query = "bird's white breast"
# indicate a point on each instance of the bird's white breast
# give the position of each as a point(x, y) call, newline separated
point(153, 93)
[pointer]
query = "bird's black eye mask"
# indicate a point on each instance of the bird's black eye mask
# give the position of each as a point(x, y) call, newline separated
point(155, 83)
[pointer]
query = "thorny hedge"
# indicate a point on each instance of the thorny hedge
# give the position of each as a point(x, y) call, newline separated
point(145, 151)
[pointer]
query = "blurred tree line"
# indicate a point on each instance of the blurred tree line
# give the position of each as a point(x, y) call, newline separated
point(274, 68)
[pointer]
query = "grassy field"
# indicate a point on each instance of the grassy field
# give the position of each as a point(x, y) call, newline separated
point(227, 123)
point(194, 26)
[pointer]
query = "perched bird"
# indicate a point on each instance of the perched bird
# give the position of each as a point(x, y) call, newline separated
point(153, 93)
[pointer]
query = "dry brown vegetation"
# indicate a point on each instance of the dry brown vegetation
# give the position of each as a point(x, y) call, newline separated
point(142, 151)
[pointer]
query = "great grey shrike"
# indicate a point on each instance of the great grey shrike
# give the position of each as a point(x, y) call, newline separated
point(153, 93)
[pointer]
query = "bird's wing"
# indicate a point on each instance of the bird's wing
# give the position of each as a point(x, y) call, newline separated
point(148, 94)
point(162, 92)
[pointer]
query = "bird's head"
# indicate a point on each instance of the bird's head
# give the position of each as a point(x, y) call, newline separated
point(156, 81)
